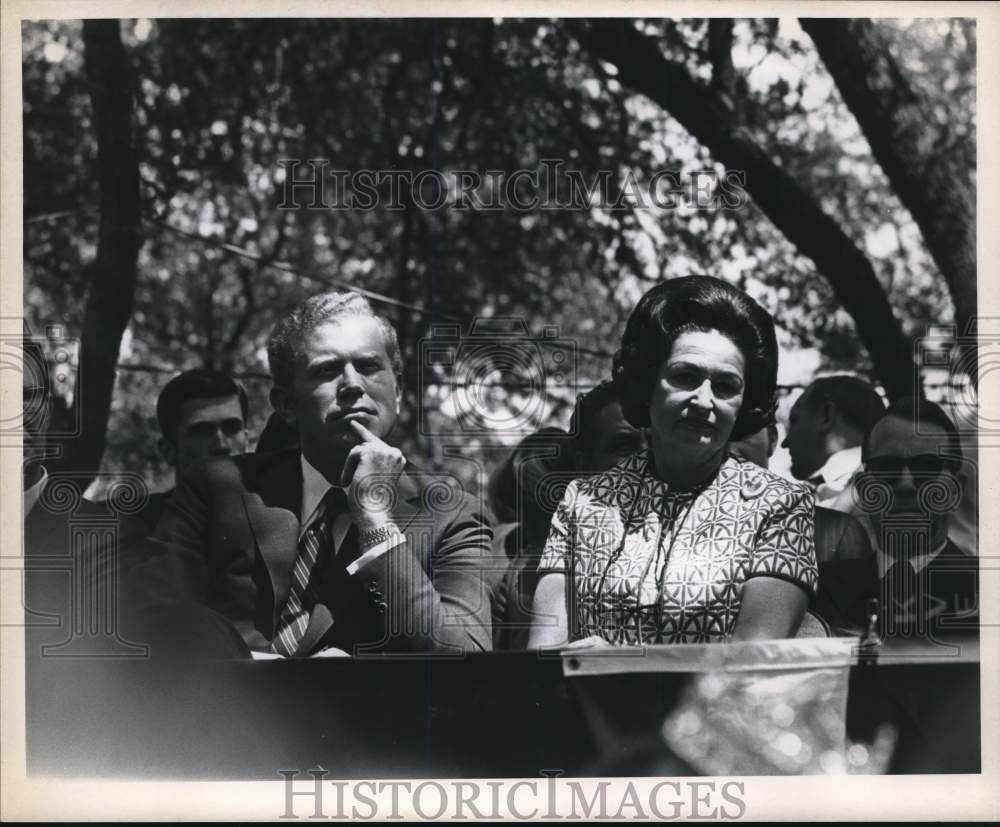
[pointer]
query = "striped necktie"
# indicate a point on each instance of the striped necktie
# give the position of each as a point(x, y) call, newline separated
point(294, 618)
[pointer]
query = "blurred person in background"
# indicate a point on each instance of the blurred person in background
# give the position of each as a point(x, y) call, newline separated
point(826, 426)
point(202, 413)
point(912, 486)
point(599, 437)
point(71, 573)
point(847, 569)
point(523, 492)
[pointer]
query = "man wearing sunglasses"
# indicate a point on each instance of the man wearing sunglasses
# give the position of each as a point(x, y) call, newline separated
point(912, 485)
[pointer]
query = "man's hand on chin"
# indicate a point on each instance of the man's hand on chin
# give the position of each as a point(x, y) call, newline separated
point(370, 476)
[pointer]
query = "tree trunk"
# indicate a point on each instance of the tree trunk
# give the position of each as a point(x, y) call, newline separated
point(930, 168)
point(113, 278)
point(794, 210)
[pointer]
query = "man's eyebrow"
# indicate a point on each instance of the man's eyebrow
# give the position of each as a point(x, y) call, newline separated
point(362, 354)
point(321, 361)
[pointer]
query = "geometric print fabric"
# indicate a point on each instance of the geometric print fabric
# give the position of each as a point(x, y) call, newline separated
point(650, 565)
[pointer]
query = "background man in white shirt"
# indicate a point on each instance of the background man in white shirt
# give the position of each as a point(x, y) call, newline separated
point(826, 426)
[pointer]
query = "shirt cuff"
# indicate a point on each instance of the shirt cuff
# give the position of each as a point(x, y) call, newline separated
point(376, 551)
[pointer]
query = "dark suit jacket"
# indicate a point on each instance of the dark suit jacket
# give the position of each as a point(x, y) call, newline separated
point(153, 509)
point(522, 545)
point(71, 585)
point(73, 551)
point(840, 537)
point(943, 598)
point(848, 571)
point(228, 538)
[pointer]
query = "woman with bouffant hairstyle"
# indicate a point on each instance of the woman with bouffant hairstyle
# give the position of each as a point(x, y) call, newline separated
point(683, 543)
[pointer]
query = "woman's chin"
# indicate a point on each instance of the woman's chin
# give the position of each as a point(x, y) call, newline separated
point(691, 450)
point(695, 438)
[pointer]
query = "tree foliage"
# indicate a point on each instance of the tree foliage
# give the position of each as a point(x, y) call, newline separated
point(220, 103)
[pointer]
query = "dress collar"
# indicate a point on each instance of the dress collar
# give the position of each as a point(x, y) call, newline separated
point(644, 466)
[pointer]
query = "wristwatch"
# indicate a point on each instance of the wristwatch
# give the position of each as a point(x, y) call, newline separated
point(375, 536)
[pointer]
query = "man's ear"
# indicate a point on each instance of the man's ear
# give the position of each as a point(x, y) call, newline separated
point(826, 416)
point(167, 450)
point(284, 404)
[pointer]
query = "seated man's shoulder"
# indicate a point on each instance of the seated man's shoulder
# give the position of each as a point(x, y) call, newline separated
point(951, 547)
point(236, 470)
point(953, 552)
point(837, 522)
point(439, 492)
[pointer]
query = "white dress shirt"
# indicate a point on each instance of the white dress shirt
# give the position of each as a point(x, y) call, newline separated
point(835, 478)
point(918, 561)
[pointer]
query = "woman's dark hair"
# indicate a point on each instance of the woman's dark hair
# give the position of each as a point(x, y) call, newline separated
point(698, 303)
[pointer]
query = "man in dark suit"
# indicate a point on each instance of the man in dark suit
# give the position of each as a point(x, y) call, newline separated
point(70, 574)
point(847, 570)
point(70, 543)
point(334, 546)
point(202, 413)
point(912, 485)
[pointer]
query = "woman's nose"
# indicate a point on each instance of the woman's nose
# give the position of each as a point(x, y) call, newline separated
point(703, 394)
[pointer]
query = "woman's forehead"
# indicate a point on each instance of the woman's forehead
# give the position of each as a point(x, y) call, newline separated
point(708, 346)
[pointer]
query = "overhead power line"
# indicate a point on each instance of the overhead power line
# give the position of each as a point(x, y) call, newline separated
point(285, 267)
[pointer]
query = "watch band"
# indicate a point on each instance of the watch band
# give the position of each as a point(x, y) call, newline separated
point(374, 536)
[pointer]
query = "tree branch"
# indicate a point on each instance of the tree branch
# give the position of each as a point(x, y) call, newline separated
point(899, 123)
point(109, 299)
point(720, 52)
point(794, 210)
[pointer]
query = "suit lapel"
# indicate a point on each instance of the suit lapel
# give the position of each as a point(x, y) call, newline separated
point(272, 510)
point(320, 621)
point(407, 504)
